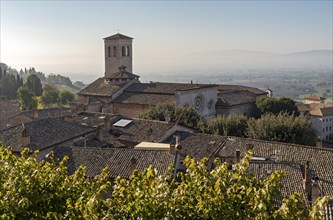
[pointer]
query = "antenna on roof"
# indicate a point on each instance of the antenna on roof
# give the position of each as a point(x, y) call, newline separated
point(118, 30)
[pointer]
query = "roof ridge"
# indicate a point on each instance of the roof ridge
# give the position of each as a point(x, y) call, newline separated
point(289, 144)
point(152, 120)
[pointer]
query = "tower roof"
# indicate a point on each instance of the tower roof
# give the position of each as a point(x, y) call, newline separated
point(118, 36)
point(123, 74)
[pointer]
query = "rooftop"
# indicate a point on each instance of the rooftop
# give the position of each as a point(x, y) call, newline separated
point(314, 98)
point(101, 88)
point(123, 74)
point(118, 160)
point(43, 133)
point(118, 36)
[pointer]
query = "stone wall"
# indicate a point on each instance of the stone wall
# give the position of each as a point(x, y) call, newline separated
point(114, 60)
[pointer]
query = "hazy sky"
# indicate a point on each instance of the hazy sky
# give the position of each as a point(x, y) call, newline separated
point(65, 37)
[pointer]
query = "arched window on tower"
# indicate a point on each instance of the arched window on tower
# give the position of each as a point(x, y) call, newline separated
point(128, 51)
point(114, 51)
point(123, 51)
point(109, 51)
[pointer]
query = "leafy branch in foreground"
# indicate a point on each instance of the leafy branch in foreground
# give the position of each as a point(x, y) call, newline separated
point(43, 190)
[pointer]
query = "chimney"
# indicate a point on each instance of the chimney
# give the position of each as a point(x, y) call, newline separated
point(315, 191)
point(133, 164)
point(107, 123)
point(35, 113)
point(237, 156)
point(178, 146)
point(306, 180)
point(172, 148)
point(150, 134)
point(99, 133)
point(25, 137)
point(319, 143)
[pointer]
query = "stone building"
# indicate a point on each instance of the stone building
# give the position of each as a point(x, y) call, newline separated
point(121, 92)
point(321, 116)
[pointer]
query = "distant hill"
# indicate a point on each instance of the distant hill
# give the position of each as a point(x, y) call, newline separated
point(222, 59)
point(62, 82)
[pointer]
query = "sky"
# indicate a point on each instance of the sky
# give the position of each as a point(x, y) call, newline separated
point(65, 37)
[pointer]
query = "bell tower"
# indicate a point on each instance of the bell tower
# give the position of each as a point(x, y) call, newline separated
point(118, 52)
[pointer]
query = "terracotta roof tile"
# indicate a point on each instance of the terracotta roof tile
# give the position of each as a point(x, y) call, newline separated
point(117, 36)
point(101, 88)
point(145, 98)
point(44, 133)
point(118, 160)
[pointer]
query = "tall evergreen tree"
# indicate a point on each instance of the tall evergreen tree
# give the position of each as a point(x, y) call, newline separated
point(9, 86)
point(21, 72)
point(18, 80)
point(34, 85)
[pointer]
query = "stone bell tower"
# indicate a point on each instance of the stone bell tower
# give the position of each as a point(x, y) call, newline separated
point(118, 52)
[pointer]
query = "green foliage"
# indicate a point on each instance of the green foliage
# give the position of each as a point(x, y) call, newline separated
point(34, 85)
point(43, 190)
point(26, 99)
point(40, 75)
point(187, 116)
point(283, 128)
point(50, 95)
point(182, 115)
point(65, 97)
point(8, 86)
point(277, 105)
point(32, 190)
point(231, 125)
point(59, 80)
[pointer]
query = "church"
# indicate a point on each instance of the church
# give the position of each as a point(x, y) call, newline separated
point(120, 91)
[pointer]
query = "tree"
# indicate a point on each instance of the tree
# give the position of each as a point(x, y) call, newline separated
point(277, 105)
point(282, 127)
point(43, 190)
point(19, 81)
point(182, 115)
point(9, 86)
point(65, 97)
point(21, 73)
point(59, 80)
point(50, 95)
point(231, 125)
point(34, 85)
point(26, 98)
point(32, 190)
point(79, 84)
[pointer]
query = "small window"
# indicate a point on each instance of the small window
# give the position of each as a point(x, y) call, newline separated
point(123, 51)
point(323, 129)
point(326, 128)
point(109, 51)
point(114, 51)
point(128, 51)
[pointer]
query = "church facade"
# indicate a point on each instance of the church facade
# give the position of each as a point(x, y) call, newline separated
point(119, 91)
